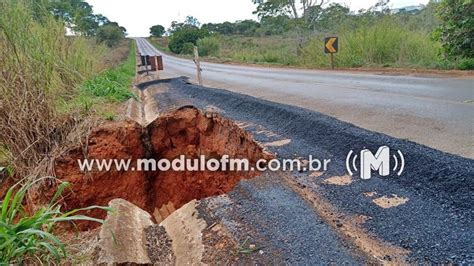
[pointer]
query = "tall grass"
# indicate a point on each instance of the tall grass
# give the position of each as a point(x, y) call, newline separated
point(208, 46)
point(386, 43)
point(99, 94)
point(267, 50)
point(28, 239)
point(113, 84)
point(39, 66)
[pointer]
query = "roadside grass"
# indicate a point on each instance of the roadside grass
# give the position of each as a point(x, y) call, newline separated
point(279, 50)
point(29, 238)
point(111, 86)
point(49, 87)
point(386, 42)
point(377, 45)
point(160, 43)
point(383, 44)
point(49, 82)
point(39, 66)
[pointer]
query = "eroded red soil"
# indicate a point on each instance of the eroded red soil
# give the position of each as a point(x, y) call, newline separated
point(186, 131)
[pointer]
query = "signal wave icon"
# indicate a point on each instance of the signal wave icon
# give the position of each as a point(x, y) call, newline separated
point(369, 162)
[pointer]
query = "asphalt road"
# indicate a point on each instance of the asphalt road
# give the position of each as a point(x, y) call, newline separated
point(433, 222)
point(434, 111)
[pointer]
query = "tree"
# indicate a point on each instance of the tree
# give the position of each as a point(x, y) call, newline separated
point(270, 8)
point(226, 28)
point(192, 21)
point(284, 7)
point(189, 22)
point(456, 31)
point(185, 36)
point(326, 18)
point(246, 27)
point(211, 27)
point(78, 16)
point(275, 25)
point(157, 31)
point(111, 34)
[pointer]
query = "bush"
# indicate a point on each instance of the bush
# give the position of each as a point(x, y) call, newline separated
point(111, 34)
point(185, 35)
point(23, 237)
point(188, 48)
point(466, 64)
point(456, 31)
point(208, 46)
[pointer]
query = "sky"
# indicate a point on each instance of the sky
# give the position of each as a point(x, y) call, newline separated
point(137, 16)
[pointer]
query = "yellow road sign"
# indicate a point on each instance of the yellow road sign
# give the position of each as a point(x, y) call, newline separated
point(331, 45)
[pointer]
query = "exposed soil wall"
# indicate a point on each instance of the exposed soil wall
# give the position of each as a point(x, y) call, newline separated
point(186, 131)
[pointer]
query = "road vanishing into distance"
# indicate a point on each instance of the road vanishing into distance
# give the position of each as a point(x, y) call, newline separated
point(435, 111)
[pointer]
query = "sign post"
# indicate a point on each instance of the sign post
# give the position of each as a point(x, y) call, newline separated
point(198, 65)
point(331, 46)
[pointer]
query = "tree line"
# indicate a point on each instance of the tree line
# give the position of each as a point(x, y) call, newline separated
point(79, 17)
point(449, 22)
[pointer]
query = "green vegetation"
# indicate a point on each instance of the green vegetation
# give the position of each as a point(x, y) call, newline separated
point(291, 33)
point(456, 31)
point(260, 50)
point(184, 37)
point(111, 34)
point(385, 43)
point(42, 70)
point(208, 46)
point(113, 85)
point(40, 66)
point(157, 31)
point(161, 44)
point(79, 17)
point(50, 88)
point(26, 239)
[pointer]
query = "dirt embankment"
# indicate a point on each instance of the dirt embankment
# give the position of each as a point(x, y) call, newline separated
point(186, 131)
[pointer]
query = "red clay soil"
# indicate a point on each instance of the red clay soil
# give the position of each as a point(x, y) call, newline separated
point(186, 131)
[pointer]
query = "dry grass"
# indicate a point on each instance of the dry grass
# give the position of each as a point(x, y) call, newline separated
point(117, 54)
point(40, 66)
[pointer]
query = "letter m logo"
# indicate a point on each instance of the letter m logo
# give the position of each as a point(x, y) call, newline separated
point(380, 161)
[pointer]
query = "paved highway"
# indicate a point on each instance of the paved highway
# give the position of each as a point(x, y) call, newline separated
point(434, 111)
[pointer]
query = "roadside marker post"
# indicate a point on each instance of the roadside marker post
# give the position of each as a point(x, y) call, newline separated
point(145, 62)
point(157, 64)
point(331, 46)
point(198, 65)
point(156, 67)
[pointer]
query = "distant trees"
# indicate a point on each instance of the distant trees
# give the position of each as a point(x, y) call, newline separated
point(245, 27)
point(326, 18)
point(185, 35)
point(157, 31)
point(270, 8)
point(306, 17)
point(111, 34)
point(78, 16)
point(192, 21)
point(289, 8)
point(377, 35)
